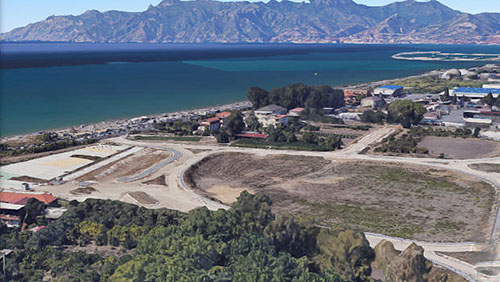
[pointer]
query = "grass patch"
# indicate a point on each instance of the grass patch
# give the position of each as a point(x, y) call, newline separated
point(169, 138)
point(297, 146)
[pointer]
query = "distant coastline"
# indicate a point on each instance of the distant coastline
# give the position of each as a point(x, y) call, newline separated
point(446, 57)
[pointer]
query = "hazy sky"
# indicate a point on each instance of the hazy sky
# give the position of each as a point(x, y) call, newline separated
point(16, 13)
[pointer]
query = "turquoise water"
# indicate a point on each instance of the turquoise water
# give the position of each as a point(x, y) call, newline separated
point(51, 97)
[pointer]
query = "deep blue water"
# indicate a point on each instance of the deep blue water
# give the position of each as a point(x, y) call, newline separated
point(47, 86)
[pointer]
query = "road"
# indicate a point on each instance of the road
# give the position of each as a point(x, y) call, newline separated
point(184, 159)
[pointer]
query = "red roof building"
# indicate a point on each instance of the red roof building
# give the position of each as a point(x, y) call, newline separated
point(22, 198)
point(223, 115)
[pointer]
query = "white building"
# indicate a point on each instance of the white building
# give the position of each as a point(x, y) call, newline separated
point(389, 90)
point(272, 115)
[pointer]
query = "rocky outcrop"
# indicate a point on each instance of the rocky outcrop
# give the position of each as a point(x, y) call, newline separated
point(285, 21)
point(409, 265)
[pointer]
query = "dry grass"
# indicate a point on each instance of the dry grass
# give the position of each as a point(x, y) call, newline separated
point(143, 198)
point(393, 199)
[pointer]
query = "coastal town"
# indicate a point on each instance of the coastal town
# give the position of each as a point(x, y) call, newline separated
point(421, 126)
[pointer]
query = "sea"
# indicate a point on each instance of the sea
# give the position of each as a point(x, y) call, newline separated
point(52, 85)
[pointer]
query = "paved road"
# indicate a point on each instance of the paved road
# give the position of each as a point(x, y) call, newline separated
point(175, 156)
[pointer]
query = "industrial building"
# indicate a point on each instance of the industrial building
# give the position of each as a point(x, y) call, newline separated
point(475, 93)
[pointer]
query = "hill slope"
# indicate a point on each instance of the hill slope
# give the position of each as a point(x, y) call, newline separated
point(285, 21)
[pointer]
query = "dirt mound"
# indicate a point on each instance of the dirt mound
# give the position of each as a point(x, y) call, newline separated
point(160, 180)
point(83, 191)
point(143, 198)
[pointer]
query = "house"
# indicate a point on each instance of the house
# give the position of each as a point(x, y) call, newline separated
point(222, 117)
point(212, 124)
point(389, 90)
point(372, 102)
point(22, 198)
point(10, 214)
point(272, 115)
point(295, 112)
point(350, 94)
point(475, 93)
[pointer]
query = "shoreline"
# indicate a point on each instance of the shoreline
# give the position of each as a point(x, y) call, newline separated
point(117, 122)
point(123, 122)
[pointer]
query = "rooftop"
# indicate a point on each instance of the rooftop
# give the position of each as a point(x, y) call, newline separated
point(271, 108)
point(211, 120)
point(478, 90)
point(12, 197)
point(223, 114)
point(392, 87)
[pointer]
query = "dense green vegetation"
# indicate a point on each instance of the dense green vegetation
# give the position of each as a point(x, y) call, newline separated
point(297, 95)
point(373, 116)
point(169, 138)
point(405, 112)
point(178, 127)
point(244, 243)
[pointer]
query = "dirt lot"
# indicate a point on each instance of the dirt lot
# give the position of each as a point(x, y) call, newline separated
point(393, 199)
point(486, 167)
point(128, 166)
point(459, 148)
point(143, 198)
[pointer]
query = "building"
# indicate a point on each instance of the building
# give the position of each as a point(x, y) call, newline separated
point(475, 93)
point(222, 117)
point(22, 198)
point(212, 124)
point(478, 122)
point(272, 115)
point(489, 86)
point(10, 214)
point(350, 94)
point(372, 102)
point(389, 90)
point(295, 112)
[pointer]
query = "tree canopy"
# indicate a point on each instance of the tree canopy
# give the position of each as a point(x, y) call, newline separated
point(244, 243)
point(297, 95)
point(405, 112)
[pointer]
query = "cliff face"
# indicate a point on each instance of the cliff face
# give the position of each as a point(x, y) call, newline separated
point(285, 21)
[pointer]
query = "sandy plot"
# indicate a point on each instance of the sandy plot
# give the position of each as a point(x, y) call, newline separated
point(459, 148)
point(102, 150)
point(227, 194)
point(128, 166)
point(67, 163)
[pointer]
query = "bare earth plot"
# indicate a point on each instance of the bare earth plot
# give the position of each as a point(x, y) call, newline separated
point(393, 199)
point(128, 166)
point(486, 167)
point(459, 148)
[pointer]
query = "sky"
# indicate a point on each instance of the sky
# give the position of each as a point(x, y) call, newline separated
point(17, 13)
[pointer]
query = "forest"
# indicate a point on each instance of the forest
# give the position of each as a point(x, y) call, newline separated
point(297, 95)
point(104, 240)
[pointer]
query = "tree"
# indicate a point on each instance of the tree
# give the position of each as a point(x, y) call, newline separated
point(446, 95)
point(372, 116)
point(33, 209)
point(234, 123)
point(258, 97)
point(252, 122)
point(222, 137)
point(489, 100)
point(405, 112)
point(454, 100)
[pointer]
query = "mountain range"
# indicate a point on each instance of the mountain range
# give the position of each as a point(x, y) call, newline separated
point(316, 21)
